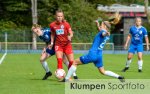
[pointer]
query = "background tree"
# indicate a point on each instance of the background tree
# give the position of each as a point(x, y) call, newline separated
point(34, 21)
point(147, 11)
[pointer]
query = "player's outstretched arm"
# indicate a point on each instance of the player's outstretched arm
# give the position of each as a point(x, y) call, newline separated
point(147, 42)
point(98, 25)
point(127, 41)
point(52, 41)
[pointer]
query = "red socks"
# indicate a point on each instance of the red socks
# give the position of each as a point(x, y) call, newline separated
point(59, 63)
point(70, 63)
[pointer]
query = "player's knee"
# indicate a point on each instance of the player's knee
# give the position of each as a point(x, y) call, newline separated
point(76, 62)
point(42, 60)
point(139, 58)
point(102, 72)
point(129, 58)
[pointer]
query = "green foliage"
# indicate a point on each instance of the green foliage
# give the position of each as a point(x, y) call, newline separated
point(78, 13)
point(17, 7)
point(103, 2)
point(128, 2)
point(146, 25)
point(6, 25)
point(16, 14)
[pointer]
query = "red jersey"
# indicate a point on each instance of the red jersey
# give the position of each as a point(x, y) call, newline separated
point(61, 32)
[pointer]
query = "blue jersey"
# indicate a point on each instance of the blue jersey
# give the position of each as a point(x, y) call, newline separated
point(46, 37)
point(95, 53)
point(137, 34)
point(99, 41)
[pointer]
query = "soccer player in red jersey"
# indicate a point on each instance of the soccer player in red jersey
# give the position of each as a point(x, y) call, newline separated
point(63, 34)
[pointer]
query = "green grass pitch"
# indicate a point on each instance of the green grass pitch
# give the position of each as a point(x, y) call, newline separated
point(22, 73)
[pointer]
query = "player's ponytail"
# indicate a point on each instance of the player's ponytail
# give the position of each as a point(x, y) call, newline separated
point(115, 19)
point(112, 20)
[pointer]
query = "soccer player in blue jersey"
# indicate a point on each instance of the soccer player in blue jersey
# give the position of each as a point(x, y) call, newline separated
point(95, 54)
point(136, 34)
point(44, 34)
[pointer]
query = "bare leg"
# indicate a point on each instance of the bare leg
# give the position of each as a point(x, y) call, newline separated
point(111, 74)
point(43, 58)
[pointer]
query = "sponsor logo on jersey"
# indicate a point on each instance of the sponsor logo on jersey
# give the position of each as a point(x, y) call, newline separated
point(140, 32)
point(59, 31)
point(136, 37)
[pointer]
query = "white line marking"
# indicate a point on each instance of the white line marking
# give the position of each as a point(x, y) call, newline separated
point(3, 57)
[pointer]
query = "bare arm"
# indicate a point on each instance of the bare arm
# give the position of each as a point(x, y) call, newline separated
point(127, 41)
point(52, 38)
point(147, 42)
point(98, 25)
point(52, 41)
point(70, 35)
point(70, 32)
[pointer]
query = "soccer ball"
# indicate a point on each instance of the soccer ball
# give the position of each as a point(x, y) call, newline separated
point(60, 74)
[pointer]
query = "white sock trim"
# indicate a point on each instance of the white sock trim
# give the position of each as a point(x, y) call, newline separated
point(140, 64)
point(70, 72)
point(74, 74)
point(128, 62)
point(45, 66)
point(112, 74)
point(66, 63)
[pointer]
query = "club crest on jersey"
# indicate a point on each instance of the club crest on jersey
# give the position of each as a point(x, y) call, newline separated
point(140, 32)
point(62, 26)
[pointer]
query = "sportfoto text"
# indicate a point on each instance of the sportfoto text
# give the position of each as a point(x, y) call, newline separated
point(108, 86)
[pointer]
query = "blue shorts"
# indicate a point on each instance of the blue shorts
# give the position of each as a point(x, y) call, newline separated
point(50, 51)
point(93, 57)
point(133, 48)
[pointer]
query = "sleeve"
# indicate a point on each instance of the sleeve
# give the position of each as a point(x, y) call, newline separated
point(145, 32)
point(51, 28)
point(130, 31)
point(102, 33)
point(68, 27)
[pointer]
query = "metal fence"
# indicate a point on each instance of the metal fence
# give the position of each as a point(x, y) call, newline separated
point(40, 45)
point(21, 40)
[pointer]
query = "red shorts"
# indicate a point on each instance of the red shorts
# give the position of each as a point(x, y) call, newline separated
point(65, 49)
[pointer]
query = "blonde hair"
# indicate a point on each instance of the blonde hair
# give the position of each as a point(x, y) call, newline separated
point(59, 11)
point(107, 24)
point(138, 18)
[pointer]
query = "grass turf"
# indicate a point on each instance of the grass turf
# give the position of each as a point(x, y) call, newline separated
point(22, 73)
